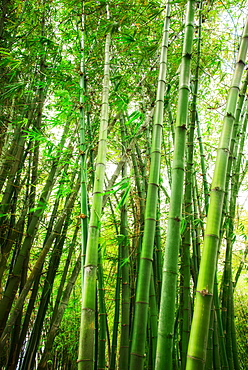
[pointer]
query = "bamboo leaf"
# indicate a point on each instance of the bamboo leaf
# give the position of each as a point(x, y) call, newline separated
point(135, 115)
point(124, 197)
point(124, 262)
point(183, 226)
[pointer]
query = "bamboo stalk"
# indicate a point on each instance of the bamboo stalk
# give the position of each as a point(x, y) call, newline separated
point(170, 268)
point(87, 328)
point(198, 336)
point(144, 275)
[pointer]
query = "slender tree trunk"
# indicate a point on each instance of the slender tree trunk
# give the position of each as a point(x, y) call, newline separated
point(36, 269)
point(125, 280)
point(117, 301)
point(59, 315)
point(170, 268)
point(199, 333)
point(29, 359)
point(102, 333)
point(144, 275)
point(87, 328)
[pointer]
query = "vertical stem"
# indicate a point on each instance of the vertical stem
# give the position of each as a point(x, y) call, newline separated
point(125, 281)
point(117, 298)
point(170, 268)
point(59, 315)
point(84, 208)
point(102, 316)
point(205, 285)
point(188, 210)
point(142, 292)
point(87, 328)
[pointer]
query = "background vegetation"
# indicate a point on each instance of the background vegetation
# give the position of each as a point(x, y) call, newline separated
point(70, 120)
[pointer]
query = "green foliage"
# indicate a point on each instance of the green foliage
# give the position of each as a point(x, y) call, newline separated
point(241, 322)
point(40, 57)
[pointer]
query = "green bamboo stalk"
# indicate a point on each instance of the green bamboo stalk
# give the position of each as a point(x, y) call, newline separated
point(203, 167)
point(139, 176)
point(216, 350)
point(209, 358)
point(222, 344)
point(16, 163)
point(171, 121)
point(158, 260)
point(228, 327)
point(13, 282)
point(153, 315)
point(35, 147)
point(125, 283)
point(168, 151)
point(30, 354)
point(170, 268)
point(196, 236)
point(237, 123)
point(199, 333)
point(237, 176)
point(113, 351)
point(227, 274)
point(29, 358)
point(190, 229)
point(86, 341)
point(233, 334)
point(234, 150)
point(25, 324)
point(176, 344)
point(140, 188)
point(10, 160)
point(64, 275)
point(188, 211)
point(83, 166)
point(240, 267)
point(32, 299)
point(14, 237)
point(144, 275)
point(101, 363)
point(12, 351)
point(59, 315)
point(227, 286)
point(10, 186)
point(125, 308)
point(244, 172)
point(226, 294)
point(14, 279)
point(148, 349)
point(36, 269)
point(142, 163)
point(121, 240)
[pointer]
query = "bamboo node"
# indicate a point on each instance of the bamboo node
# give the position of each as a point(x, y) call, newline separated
point(196, 358)
point(170, 271)
point(147, 259)
point(82, 215)
point(137, 354)
point(217, 188)
point(84, 360)
point(204, 292)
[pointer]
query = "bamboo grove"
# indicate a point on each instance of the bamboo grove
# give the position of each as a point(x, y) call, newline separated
point(123, 177)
